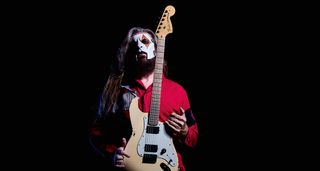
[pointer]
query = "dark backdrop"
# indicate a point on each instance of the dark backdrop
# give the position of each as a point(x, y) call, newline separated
point(219, 52)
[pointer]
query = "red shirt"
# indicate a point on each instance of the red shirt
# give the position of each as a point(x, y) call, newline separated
point(173, 96)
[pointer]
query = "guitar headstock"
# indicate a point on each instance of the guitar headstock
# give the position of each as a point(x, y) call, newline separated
point(165, 26)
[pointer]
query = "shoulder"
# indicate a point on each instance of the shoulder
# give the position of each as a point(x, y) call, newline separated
point(177, 92)
point(173, 85)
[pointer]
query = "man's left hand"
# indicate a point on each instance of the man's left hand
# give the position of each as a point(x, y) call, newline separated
point(178, 124)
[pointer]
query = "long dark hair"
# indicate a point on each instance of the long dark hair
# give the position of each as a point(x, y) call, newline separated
point(119, 69)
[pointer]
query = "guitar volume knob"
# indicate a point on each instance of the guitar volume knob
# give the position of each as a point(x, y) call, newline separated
point(163, 151)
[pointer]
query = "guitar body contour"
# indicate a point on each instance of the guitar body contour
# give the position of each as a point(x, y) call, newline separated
point(148, 151)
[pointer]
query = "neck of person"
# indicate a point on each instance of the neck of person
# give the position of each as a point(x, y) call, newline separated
point(147, 79)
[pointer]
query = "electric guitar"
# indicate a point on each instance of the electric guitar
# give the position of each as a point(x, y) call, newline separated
point(150, 147)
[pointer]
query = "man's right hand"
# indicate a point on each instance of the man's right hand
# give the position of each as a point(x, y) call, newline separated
point(118, 158)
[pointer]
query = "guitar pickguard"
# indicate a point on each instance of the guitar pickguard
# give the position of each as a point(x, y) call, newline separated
point(150, 147)
point(157, 143)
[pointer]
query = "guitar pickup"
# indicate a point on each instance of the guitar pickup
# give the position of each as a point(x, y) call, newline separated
point(149, 158)
point(151, 148)
point(152, 130)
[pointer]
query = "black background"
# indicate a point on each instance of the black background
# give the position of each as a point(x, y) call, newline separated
point(223, 54)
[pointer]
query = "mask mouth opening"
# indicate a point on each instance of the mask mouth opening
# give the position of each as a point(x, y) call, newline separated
point(142, 55)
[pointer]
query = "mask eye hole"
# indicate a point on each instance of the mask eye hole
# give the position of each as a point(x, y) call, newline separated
point(145, 41)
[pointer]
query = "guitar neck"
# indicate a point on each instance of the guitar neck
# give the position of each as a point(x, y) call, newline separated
point(157, 81)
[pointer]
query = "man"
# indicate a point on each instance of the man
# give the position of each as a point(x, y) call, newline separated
point(132, 77)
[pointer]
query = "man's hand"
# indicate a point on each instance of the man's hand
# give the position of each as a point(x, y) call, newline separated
point(118, 159)
point(178, 124)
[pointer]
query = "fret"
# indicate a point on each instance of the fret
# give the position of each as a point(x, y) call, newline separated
point(157, 68)
point(157, 81)
point(159, 64)
point(161, 54)
point(155, 114)
point(161, 41)
point(158, 76)
point(160, 59)
point(154, 108)
point(156, 99)
point(156, 102)
point(158, 71)
point(156, 95)
point(156, 89)
point(157, 84)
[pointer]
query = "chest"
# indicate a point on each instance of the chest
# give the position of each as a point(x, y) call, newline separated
point(169, 102)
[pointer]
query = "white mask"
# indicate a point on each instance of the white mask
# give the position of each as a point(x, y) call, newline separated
point(145, 44)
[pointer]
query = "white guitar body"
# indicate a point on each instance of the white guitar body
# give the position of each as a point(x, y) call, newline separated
point(148, 151)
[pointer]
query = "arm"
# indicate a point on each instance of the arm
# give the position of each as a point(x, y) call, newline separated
point(183, 122)
point(101, 139)
point(191, 137)
point(107, 136)
point(102, 135)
